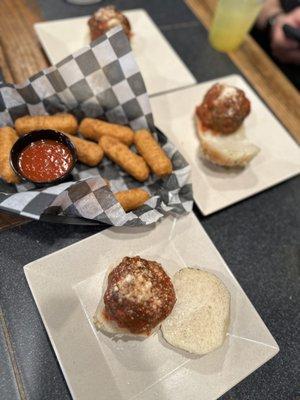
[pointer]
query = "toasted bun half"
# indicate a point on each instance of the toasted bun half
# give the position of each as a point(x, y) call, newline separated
point(230, 150)
point(200, 318)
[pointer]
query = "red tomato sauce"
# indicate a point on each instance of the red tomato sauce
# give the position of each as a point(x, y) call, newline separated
point(45, 160)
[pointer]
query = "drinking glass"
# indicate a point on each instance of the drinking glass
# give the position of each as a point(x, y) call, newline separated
point(232, 20)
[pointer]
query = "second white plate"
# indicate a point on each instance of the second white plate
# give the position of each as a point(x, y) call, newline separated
point(216, 187)
point(160, 66)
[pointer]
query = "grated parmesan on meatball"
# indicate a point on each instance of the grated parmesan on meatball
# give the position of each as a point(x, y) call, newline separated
point(107, 18)
point(139, 295)
point(223, 109)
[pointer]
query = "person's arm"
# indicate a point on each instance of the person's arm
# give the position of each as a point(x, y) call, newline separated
point(272, 18)
point(271, 8)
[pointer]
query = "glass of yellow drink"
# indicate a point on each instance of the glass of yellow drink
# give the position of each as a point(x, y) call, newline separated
point(232, 20)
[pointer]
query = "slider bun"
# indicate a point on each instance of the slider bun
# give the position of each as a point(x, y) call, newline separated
point(200, 318)
point(233, 150)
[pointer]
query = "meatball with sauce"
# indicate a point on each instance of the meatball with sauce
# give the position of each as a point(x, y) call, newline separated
point(105, 19)
point(139, 295)
point(223, 109)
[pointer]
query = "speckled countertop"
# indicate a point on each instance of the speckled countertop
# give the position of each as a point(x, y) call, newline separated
point(259, 238)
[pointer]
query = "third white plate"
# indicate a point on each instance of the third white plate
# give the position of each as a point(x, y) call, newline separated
point(161, 67)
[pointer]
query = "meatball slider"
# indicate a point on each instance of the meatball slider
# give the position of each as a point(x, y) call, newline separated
point(219, 119)
point(138, 296)
point(223, 109)
point(106, 18)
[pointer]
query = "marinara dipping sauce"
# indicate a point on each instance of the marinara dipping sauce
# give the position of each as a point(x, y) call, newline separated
point(45, 160)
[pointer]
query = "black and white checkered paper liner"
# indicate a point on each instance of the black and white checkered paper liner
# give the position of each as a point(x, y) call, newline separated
point(101, 80)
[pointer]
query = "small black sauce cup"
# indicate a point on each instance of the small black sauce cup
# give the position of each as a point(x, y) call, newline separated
point(35, 136)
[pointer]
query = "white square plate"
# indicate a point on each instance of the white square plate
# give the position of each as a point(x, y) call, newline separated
point(161, 67)
point(216, 187)
point(67, 285)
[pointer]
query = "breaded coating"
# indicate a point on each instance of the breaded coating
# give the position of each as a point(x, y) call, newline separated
point(118, 152)
point(132, 198)
point(88, 152)
point(152, 153)
point(94, 129)
point(8, 137)
point(62, 122)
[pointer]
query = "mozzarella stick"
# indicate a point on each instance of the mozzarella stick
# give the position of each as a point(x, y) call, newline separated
point(88, 152)
point(63, 122)
point(152, 153)
point(132, 199)
point(94, 129)
point(118, 152)
point(8, 137)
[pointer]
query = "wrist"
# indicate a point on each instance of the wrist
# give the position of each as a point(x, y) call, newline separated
point(272, 19)
point(266, 15)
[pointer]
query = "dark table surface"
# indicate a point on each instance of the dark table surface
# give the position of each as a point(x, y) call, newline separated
point(259, 238)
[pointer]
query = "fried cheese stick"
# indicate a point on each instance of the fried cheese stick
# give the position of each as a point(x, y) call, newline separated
point(8, 137)
point(152, 153)
point(132, 198)
point(94, 129)
point(63, 122)
point(118, 152)
point(89, 153)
